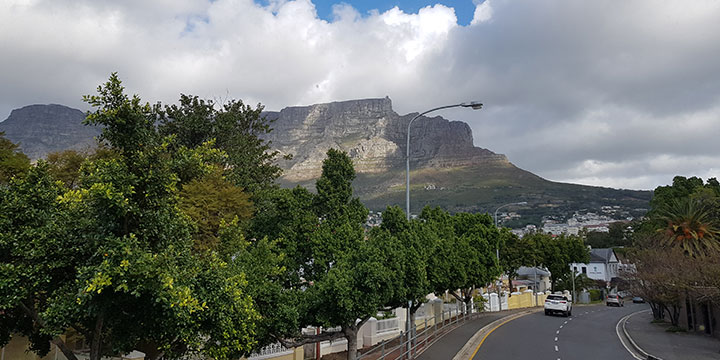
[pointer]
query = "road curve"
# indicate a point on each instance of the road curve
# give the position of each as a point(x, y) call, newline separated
point(588, 335)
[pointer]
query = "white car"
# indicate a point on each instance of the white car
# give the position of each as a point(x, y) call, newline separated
point(558, 304)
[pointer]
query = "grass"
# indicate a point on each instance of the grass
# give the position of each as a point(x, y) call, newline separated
point(482, 188)
point(675, 329)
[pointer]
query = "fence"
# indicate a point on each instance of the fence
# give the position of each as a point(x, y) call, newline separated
point(270, 351)
point(387, 325)
point(423, 334)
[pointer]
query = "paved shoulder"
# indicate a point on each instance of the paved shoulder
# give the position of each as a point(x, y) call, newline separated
point(653, 339)
point(449, 345)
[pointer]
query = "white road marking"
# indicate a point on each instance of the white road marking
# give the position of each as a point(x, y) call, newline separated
point(556, 339)
point(556, 348)
point(557, 332)
point(561, 326)
point(565, 323)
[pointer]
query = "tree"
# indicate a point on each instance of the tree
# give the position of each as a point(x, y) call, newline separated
point(212, 202)
point(334, 272)
point(688, 225)
point(65, 166)
point(616, 236)
point(557, 253)
point(464, 256)
point(415, 246)
point(12, 161)
point(516, 252)
point(112, 258)
point(33, 261)
point(236, 128)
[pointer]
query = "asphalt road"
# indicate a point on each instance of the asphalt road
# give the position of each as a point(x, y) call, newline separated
point(588, 335)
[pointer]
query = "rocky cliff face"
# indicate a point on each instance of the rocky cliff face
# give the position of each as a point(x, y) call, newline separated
point(373, 135)
point(42, 129)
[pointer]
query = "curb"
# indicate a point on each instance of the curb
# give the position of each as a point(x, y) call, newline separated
point(644, 355)
point(469, 349)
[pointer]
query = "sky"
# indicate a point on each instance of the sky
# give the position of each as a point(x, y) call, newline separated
point(623, 94)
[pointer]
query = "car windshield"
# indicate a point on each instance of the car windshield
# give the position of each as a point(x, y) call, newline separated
point(556, 297)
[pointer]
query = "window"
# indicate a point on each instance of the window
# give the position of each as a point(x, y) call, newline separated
point(584, 270)
point(595, 268)
point(575, 269)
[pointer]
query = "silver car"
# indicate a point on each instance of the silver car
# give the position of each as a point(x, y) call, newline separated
point(614, 299)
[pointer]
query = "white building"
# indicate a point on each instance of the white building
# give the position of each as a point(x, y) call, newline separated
point(604, 265)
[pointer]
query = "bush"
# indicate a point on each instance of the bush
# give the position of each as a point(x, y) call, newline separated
point(595, 295)
point(479, 302)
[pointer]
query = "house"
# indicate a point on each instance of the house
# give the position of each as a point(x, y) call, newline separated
point(604, 265)
point(538, 279)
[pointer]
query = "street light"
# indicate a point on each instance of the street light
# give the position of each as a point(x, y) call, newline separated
point(475, 105)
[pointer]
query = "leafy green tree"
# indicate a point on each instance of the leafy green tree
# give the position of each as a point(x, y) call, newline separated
point(65, 166)
point(516, 252)
point(112, 258)
point(465, 254)
point(34, 261)
point(236, 128)
point(414, 246)
point(557, 253)
point(616, 236)
point(681, 187)
point(12, 161)
point(335, 272)
point(212, 202)
point(582, 281)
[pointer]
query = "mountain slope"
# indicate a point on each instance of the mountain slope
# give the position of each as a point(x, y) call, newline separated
point(446, 168)
point(42, 129)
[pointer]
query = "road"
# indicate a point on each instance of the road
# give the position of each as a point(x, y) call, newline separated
point(588, 335)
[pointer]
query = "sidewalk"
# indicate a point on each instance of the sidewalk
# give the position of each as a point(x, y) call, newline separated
point(653, 339)
point(446, 347)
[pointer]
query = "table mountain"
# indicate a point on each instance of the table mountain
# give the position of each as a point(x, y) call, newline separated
point(447, 169)
point(42, 129)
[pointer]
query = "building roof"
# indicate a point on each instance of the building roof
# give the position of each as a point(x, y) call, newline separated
point(529, 271)
point(602, 256)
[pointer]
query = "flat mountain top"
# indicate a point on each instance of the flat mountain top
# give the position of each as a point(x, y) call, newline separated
point(447, 169)
point(42, 129)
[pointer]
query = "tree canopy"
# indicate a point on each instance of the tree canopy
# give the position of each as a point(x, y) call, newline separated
point(12, 161)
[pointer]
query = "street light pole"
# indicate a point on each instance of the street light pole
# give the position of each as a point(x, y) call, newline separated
point(497, 248)
point(475, 105)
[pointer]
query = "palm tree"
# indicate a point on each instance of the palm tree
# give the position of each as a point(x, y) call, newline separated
point(689, 225)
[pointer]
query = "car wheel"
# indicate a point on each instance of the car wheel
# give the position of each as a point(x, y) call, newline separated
point(569, 312)
point(547, 313)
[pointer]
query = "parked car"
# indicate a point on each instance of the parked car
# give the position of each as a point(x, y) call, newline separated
point(614, 299)
point(638, 300)
point(558, 304)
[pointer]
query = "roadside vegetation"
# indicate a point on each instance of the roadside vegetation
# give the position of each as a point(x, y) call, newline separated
point(173, 238)
point(676, 249)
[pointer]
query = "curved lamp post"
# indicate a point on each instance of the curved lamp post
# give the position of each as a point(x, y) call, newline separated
point(497, 249)
point(475, 105)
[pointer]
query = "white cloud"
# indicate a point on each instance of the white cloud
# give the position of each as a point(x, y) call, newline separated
point(483, 12)
point(594, 92)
